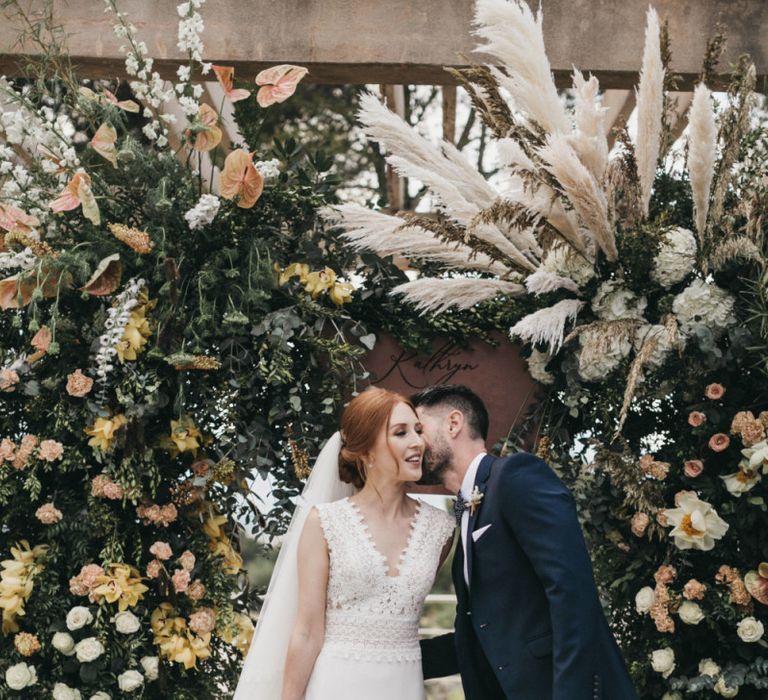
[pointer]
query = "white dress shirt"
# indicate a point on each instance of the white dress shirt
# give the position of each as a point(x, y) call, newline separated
point(467, 486)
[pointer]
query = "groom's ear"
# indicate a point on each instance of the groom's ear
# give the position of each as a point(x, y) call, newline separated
point(456, 422)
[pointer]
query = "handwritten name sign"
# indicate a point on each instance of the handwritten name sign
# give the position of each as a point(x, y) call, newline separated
point(497, 374)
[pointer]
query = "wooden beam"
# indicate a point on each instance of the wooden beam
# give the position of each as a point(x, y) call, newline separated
point(401, 41)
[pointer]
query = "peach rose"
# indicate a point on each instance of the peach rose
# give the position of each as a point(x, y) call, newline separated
point(196, 590)
point(154, 568)
point(7, 449)
point(696, 418)
point(640, 523)
point(48, 514)
point(8, 380)
point(180, 580)
point(50, 450)
point(714, 392)
point(162, 550)
point(86, 580)
point(78, 384)
point(693, 468)
point(719, 442)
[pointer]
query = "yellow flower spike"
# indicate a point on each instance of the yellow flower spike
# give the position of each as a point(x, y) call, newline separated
point(318, 282)
point(300, 270)
point(341, 293)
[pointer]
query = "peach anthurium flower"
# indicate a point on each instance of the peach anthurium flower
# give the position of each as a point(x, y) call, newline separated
point(225, 75)
point(78, 193)
point(241, 179)
point(103, 142)
point(14, 219)
point(126, 105)
point(209, 135)
point(278, 83)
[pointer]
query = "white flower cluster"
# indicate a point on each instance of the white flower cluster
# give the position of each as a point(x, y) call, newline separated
point(22, 261)
point(268, 168)
point(191, 27)
point(676, 257)
point(613, 302)
point(703, 305)
point(600, 355)
point(117, 318)
point(203, 212)
point(564, 261)
point(148, 87)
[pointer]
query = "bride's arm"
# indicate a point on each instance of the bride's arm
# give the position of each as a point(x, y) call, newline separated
point(309, 630)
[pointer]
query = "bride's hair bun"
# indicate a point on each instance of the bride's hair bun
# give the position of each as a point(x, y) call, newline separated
point(363, 419)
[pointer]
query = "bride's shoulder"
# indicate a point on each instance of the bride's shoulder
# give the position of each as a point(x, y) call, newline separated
point(438, 515)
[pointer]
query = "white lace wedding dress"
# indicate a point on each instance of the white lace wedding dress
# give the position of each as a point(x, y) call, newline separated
point(371, 649)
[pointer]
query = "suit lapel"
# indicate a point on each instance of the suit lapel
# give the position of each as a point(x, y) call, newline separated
point(481, 481)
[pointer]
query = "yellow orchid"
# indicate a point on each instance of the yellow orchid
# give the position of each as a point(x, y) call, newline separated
point(341, 293)
point(16, 582)
point(183, 437)
point(220, 543)
point(300, 270)
point(103, 431)
point(317, 282)
point(135, 335)
point(240, 634)
point(175, 640)
point(120, 583)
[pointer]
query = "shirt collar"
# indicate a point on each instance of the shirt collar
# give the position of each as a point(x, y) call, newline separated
point(469, 478)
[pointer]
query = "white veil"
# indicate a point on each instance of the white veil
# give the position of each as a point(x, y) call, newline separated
point(262, 676)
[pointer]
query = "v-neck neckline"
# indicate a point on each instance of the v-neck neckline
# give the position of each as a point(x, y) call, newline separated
point(368, 536)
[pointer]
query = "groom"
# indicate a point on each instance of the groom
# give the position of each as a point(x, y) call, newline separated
point(529, 625)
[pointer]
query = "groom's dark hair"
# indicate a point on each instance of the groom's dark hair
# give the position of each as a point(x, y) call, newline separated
point(461, 398)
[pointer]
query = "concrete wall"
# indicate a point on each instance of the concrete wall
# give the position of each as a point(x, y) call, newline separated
point(393, 41)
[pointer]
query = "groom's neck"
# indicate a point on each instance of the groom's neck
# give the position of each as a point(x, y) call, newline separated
point(462, 458)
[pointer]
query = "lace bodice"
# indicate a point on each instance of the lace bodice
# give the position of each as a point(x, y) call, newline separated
point(369, 614)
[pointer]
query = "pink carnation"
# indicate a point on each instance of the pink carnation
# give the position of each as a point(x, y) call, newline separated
point(187, 560)
point(180, 580)
point(50, 450)
point(48, 514)
point(694, 590)
point(162, 550)
point(203, 621)
point(196, 590)
point(154, 568)
point(8, 380)
point(103, 487)
point(86, 580)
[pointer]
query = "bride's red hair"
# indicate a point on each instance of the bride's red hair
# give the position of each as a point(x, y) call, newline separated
point(362, 421)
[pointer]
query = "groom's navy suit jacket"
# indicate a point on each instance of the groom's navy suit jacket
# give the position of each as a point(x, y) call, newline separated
point(530, 626)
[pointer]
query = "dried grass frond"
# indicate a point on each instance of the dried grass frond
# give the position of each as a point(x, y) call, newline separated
point(547, 325)
point(589, 139)
point(365, 229)
point(702, 149)
point(622, 186)
point(438, 295)
point(542, 282)
point(671, 81)
point(581, 189)
point(734, 123)
point(483, 91)
point(603, 334)
point(635, 372)
point(739, 248)
point(514, 35)
point(650, 107)
point(713, 54)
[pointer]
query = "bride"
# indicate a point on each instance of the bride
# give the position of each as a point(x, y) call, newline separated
point(341, 616)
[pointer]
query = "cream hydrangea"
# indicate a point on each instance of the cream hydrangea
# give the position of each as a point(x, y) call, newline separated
point(614, 302)
point(564, 261)
point(664, 343)
point(600, 355)
point(696, 524)
point(676, 257)
point(705, 305)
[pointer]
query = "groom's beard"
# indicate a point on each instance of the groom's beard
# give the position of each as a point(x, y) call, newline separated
point(437, 461)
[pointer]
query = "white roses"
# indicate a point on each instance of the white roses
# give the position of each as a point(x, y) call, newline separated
point(750, 630)
point(644, 600)
point(151, 666)
point(89, 649)
point(20, 676)
point(129, 680)
point(663, 661)
point(64, 643)
point(126, 622)
point(690, 613)
point(61, 691)
point(79, 617)
point(101, 695)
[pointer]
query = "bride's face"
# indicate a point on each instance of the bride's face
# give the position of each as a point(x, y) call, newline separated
point(399, 447)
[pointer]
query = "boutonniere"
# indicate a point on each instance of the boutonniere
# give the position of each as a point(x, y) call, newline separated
point(475, 499)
